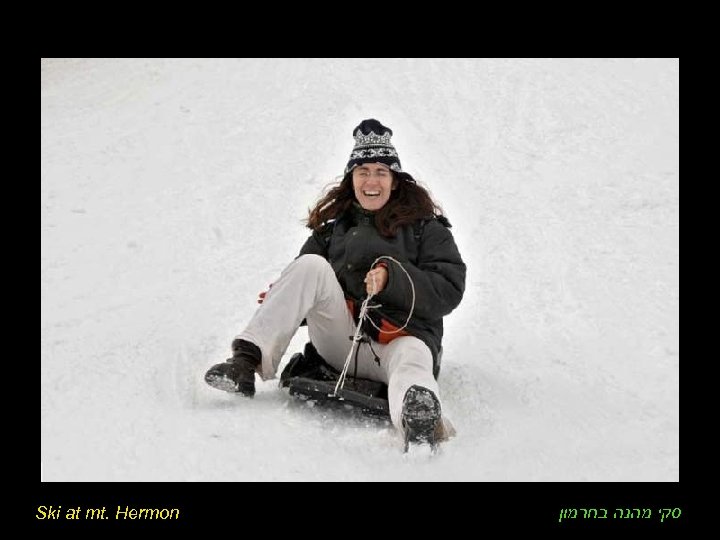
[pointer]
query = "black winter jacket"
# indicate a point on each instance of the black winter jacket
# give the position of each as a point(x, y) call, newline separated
point(351, 244)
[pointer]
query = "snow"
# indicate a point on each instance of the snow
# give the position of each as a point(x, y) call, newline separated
point(173, 191)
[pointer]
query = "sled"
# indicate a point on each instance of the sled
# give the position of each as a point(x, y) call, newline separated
point(308, 376)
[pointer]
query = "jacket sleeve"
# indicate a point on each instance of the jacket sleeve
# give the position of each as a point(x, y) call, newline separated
point(316, 244)
point(438, 276)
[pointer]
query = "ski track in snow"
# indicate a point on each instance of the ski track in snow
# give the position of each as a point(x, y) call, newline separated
point(173, 191)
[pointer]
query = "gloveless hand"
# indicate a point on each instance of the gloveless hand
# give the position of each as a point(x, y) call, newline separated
point(376, 280)
point(261, 295)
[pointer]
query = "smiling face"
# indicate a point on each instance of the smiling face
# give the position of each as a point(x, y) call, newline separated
point(373, 184)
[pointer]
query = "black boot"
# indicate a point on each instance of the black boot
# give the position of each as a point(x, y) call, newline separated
point(420, 416)
point(236, 374)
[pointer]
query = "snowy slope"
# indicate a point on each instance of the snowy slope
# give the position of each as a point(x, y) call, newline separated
point(173, 191)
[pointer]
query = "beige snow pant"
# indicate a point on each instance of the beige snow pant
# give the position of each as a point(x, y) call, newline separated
point(308, 289)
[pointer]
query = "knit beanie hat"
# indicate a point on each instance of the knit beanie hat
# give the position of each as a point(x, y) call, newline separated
point(372, 145)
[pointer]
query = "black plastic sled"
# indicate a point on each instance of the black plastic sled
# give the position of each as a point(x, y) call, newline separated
point(308, 376)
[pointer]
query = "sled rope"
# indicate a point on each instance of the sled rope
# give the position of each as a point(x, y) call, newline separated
point(356, 338)
point(363, 315)
point(412, 305)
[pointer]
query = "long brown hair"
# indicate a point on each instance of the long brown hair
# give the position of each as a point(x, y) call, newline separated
point(408, 203)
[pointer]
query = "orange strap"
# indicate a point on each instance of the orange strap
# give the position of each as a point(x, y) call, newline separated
point(387, 326)
point(388, 329)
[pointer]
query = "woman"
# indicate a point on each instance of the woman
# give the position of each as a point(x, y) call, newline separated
point(377, 234)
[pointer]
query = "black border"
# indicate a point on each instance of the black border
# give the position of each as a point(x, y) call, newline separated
point(303, 506)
